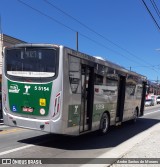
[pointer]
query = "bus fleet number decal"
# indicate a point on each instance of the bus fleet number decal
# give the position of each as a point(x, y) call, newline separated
point(99, 106)
point(41, 88)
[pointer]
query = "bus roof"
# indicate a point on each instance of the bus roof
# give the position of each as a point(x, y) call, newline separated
point(34, 45)
point(96, 59)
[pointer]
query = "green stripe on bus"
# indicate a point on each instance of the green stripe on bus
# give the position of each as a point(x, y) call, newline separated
point(29, 99)
point(98, 109)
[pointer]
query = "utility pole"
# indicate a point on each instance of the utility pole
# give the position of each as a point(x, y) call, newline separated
point(0, 25)
point(157, 87)
point(77, 41)
point(130, 68)
point(1, 40)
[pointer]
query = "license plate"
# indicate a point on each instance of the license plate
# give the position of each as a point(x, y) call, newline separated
point(27, 109)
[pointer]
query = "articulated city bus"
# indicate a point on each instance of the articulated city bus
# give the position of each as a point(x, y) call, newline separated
point(56, 89)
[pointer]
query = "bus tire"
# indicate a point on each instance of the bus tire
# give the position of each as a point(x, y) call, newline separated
point(135, 116)
point(104, 123)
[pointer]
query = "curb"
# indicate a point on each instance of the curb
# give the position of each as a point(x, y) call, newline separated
point(121, 150)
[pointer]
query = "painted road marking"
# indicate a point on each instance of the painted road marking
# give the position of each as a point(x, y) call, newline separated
point(31, 145)
point(152, 112)
point(23, 147)
point(16, 149)
point(11, 130)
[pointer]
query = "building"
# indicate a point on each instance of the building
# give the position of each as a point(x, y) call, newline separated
point(5, 40)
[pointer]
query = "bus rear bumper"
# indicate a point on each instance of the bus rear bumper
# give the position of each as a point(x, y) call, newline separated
point(29, 123)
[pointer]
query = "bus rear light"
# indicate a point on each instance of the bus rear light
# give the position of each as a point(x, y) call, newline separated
point(96, 90)
point(58, 95)
point(58, 107)
point(46, 123)
point(57, 104)
point(4, 97)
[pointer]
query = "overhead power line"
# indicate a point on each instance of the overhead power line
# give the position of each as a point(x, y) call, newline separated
point(153, 66)
point(98, 34)
point(58, 22)
point(51, 18)
point(155, 7)
point(75, 31)
point(93, 31)
point(90, 29)
point(151, 15)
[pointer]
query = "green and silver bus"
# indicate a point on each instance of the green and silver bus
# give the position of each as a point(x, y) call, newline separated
point(56, 89)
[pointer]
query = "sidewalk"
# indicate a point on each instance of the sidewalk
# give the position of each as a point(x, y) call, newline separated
point(147, 148)
point(141, 147)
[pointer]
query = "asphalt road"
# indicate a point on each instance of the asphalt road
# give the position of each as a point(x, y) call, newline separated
point(24, 143)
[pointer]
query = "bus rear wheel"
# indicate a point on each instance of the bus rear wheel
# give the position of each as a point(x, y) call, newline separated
point(135, 116)
point(104, 123)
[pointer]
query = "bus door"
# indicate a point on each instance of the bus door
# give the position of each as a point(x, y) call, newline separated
point(143, 98)
point(87, 76)
point(121, 99)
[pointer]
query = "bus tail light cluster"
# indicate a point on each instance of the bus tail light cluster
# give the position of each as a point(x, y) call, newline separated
point(4, 95)
point(57, 104)
point(4, 101)
point(96, 90)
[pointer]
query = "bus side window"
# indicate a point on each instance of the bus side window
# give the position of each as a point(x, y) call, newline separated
point(74, 74)
point(138, 91)
point(98, 79)
point(130, 88)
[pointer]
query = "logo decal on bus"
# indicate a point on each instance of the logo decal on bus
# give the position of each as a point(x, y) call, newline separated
point(99, 106)
point(76, 110)
point(14, 108)
point(26, 91)
point(14, 88)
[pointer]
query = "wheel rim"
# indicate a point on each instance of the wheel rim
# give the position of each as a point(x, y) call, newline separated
point(135, 115)
point(105, 124)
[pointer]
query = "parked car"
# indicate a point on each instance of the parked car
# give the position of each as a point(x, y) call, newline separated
point(158, 100)
point(149, 102)
point(154, 98)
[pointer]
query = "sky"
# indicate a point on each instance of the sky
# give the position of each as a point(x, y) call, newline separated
point(121, 31)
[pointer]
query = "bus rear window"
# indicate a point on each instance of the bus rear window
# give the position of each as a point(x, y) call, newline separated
point(33, 63)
